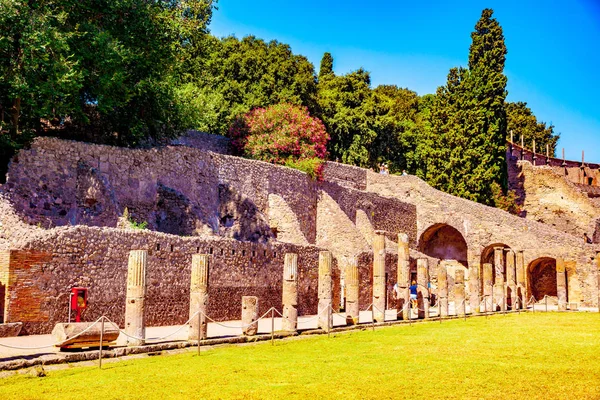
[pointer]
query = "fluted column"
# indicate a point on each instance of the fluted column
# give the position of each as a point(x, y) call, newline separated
point(290, 293)
point(442, 277)
point(379, 288)
point(403, 273)
point(423, 288)
point(198, 296)
point(488, 287)
point(136, 293)
point(521, 279)
point(511, 279)
point(561, 284)
point(499, 298)
point(325, 291)
point(459, 292)
point(352, 306)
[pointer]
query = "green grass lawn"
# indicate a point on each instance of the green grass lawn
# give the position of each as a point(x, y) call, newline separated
point(527, 356)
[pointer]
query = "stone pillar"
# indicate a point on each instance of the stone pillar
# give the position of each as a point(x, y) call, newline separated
point(379, 288)
point(198, 296)
point(352, 309)
point(488, 287)
point(561, 284)
point(422, 288)
point(474, 300)
point(499, 299)
point(249, 315)
point(442, 280)
point(403, 273)
point(521, 279)
point(325, 291)
point(511, 279)
point(136, 293)
point(290, 293)
point(459, 292)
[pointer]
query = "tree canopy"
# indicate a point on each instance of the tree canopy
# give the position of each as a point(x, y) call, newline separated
point(128, 72)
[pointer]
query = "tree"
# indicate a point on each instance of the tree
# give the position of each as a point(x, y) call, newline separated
point(326, 68)
point(523, 124)
point(104, 71)
point(282, 134)
point(39, 77)
point(348, 111)
point(469, 120)
point(241, 75)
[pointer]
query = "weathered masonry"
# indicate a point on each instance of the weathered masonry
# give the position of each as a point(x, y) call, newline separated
point(63, 226)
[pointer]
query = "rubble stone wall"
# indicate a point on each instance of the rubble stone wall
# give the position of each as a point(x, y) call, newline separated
point(39, 276)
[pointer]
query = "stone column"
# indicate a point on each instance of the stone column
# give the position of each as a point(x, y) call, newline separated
point(379, 288)
point(499, 299)
point(459, 292)
point(422, 288)
point(136, 293)
point(403, 273)
point(198, 296)
point(488, 287)
point(511, 279)
point(561, 284)
point(521, 279)
point(249, 315)
point(290, 293)
point(325, 291)
point(352, 309)
point(442, 278)
point(474, 266)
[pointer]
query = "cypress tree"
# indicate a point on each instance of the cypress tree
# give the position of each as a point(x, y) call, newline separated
point(326, 67)
point(467, 158)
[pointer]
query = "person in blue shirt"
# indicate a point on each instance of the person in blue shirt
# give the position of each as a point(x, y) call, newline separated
point(413, 293)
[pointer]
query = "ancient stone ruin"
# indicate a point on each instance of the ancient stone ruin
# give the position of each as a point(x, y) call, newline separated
point(230, 237)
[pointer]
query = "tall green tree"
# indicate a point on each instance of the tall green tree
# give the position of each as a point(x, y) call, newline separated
point(348, 110)
point(244, 74)
point(523, 124)
point(467, 157)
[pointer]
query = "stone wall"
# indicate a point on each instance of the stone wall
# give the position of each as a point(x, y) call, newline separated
point(552, 192)
point(345, 175)
point(204, 141)
point(39, 276)
point(482, 226)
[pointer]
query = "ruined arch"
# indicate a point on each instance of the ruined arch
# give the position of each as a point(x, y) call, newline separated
point(487, 256)
point(444, 242)
point(541, 274)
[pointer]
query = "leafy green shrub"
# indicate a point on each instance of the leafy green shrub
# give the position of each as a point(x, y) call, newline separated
point(282, 134)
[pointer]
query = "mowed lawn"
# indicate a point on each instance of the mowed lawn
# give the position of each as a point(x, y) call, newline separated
point(526, 356)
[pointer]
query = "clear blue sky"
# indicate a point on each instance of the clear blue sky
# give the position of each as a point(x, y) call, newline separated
point(553, 60)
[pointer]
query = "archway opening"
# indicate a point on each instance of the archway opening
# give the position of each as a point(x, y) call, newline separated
point(444, 242)
point(487, 257)
point(542, 278)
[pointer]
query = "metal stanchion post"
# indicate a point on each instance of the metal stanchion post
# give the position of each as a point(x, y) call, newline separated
point(546, 299)
point(410, 312)
point(199, 329)
point(373, 316)
point(272, 326)
point(329, 321)
point(101, 340)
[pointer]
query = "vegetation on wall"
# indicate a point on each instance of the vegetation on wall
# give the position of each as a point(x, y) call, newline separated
point(282, 134)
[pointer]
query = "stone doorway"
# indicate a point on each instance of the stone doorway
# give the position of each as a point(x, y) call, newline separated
point(444, 242)
point(542, 278)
